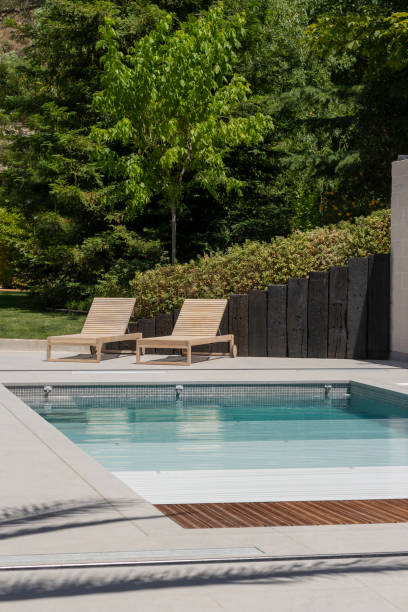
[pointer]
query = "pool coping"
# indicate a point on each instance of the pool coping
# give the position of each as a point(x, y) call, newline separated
point(103, 482)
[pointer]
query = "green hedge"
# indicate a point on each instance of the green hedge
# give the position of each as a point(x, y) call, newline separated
point(255, 265)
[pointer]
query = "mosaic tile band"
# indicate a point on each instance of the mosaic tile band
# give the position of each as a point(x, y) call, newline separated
point(189, 392)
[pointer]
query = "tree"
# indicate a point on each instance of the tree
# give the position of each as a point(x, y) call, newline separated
point(381, 39)
point(12, 231)
point(281, 178)
point(339, 117)
point(76, 239)
point(369, 69)
point(170, 109)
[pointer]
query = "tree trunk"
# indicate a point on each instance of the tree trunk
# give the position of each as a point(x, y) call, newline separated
point(173, 233)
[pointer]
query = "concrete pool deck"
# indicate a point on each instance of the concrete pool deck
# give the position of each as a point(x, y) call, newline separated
point(56, 500)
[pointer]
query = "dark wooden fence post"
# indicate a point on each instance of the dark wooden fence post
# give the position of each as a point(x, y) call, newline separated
point(277, 345)
point(238, 322)
point(357, 307)
point(378, 308)
point(164, 327)
point(176, 313)
point(129, 345)
point(148, 328)
point(318, 314)
point(337, 341)
point(297, 317)
point(257, 315)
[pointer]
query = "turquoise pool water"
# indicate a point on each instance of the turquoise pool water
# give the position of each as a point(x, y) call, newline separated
point(271, 430)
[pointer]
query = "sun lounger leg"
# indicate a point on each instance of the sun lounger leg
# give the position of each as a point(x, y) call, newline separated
point(48, 351)
point(138, 353)
point(188, 362)
point(98, 352)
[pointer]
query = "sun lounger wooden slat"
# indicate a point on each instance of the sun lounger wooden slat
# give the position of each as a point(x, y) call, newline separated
point(197, 325)
point(107, 321)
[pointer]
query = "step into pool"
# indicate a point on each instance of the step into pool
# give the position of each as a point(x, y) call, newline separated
point(262, 442)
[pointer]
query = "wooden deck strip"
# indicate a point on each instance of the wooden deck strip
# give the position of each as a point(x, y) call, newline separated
point(363, 513)
point(332, 510)
point(278, 513)
point(400, 514)
point(274, 514)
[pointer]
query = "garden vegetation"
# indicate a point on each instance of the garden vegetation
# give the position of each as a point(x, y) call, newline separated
point(255, 265)
point(290, 124)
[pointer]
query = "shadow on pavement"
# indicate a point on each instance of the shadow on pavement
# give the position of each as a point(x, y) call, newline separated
point(42, 518)
point(86, 582)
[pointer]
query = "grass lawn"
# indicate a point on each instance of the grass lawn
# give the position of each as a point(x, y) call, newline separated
point(18, 319)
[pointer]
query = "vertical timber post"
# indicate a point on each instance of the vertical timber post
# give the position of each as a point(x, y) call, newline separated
point(164, 327)
point(297, 317)
point(318, 314)
point(357, 307)
point(337, 339)
point(238, 322)
point(277, 327)
point(257, 323)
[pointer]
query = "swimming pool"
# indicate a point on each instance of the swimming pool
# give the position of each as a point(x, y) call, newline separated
point(229, 428)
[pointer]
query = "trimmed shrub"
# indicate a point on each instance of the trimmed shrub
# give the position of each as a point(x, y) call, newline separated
point(255, 265)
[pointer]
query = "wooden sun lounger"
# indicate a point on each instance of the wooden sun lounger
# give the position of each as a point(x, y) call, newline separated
point(197, 325)
point(107, 321)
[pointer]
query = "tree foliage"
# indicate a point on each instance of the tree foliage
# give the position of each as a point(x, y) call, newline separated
point(367, 54)
point(49, 175)
point(332, 76)
point(171, 110)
